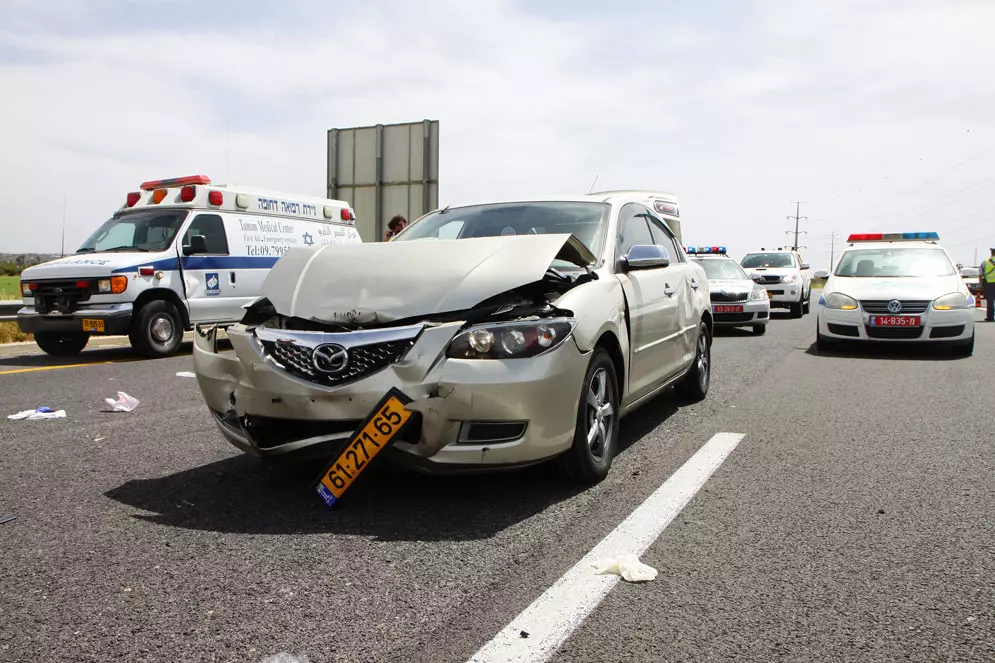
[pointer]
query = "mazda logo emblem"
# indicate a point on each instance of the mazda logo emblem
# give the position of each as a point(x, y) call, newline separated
point(330, 358)
point(894, 306)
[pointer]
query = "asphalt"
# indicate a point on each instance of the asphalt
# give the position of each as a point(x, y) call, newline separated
point(853, 522)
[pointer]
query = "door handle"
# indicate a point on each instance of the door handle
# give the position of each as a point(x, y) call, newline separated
point(667, 290)
point(694, 284)
point(231, 275)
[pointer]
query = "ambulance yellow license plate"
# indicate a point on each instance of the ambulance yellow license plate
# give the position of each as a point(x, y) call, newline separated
point(373, 436)
point(93, 325)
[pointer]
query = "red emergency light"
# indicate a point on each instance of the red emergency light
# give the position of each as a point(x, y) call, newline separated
point(175, 181)
point(346, 214)
point(187, 193)
point(865, 237)
point(215, 198)
point(133, 198)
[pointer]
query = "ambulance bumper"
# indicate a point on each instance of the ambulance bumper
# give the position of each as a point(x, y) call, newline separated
point(116, 318)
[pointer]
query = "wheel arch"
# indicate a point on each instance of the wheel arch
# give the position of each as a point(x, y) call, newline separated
point(164, 294)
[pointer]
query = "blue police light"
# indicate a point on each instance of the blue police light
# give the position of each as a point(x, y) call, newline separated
point(930, 235)
point(704, 249)
point(722, 249)
point(691, 249)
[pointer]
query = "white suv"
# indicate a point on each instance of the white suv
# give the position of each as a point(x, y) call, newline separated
point(784, 274)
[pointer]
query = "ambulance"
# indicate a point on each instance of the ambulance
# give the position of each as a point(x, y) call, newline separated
point(179, 252)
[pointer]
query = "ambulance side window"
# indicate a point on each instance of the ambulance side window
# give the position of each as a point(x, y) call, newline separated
point(213, 229)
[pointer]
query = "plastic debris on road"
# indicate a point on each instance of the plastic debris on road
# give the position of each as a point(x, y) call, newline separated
point(627, 566)
point(39, 413)
point(284, 657)
point(7, 519)
point(186, 374)
point(124, 402)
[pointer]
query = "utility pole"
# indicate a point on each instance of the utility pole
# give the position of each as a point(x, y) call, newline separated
point(832, 250)
point(797, 219)
point(63, 227)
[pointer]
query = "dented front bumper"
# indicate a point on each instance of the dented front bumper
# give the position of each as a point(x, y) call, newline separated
point(469, 412)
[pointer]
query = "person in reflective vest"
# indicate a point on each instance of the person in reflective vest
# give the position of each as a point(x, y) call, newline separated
point(987, 277)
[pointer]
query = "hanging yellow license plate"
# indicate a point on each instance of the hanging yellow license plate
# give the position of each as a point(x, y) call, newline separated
point(379, 430)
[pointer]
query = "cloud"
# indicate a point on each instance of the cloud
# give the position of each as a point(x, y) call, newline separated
point(739, 110)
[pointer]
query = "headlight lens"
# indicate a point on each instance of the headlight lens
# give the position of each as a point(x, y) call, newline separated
point(790, 278)
point(114, 285)
point(955, 300)
point(840, 301)
point(25, 288)
point(758, 294)
point(510, 340)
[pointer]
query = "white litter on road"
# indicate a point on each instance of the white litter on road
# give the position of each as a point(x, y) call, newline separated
point(124, 402)
point(186, 374)
point(40, 413)
point(556, 614)
point(628, 567)
point(284, 657)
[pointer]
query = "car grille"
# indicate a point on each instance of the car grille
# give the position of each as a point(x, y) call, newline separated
point(733, 317)
point(364, 360)
point(730, 296)
point(881, 306)
point(895, 333)
point(766, 278)
point(62, 296)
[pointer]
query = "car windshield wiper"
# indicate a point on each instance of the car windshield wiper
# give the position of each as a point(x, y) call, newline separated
point(126, 248)
point(85, 249)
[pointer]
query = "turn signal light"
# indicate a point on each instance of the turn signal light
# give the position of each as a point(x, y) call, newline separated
point(115, 285)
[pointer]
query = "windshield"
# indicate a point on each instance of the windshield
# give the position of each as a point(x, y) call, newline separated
point(147, 230)
point(768, 260)
point(894, 263)
point(722, 269)
point(587, 221)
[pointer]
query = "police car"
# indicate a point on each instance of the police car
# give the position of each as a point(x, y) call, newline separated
point(896, 287)
point(785, 276)
point(736, 300)
point(178, 252)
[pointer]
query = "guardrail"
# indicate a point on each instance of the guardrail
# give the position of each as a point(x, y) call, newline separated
point(8, 310)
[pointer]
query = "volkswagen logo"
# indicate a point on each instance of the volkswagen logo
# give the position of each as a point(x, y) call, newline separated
point(894, 306)
point(330, 358)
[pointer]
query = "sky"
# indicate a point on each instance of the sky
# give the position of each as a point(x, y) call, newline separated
point(877, 115)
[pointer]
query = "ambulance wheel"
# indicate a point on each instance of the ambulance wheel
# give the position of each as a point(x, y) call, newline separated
point(62, 345)
point(157, 330)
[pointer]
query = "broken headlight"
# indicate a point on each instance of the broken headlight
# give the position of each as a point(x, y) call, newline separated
point(510, 340)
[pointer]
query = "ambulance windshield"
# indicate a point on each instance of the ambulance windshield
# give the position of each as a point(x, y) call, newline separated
point(145, 230)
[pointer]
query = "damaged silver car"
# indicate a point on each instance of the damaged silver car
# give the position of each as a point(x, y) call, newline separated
point(520, 331)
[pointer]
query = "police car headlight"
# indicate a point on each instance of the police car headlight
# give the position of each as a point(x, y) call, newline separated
point(790, 278)
point(758, 294)
point(512, 340)
point(840, 301)
point(953, 301)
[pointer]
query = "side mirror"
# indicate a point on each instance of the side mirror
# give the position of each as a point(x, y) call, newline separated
point(198, 244)
point(804, 265)
point(821, 274)
point(646, 256)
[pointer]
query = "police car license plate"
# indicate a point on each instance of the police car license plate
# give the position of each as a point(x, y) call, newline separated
point(727, 309)
point(93, 325)
point(894, 321)
point(373, 436)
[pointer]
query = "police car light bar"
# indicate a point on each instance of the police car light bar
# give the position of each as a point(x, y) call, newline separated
point(705, 249)
point(175, 181)
point(891, 237)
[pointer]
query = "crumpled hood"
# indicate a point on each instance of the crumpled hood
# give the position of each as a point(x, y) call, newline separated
point(387, 281)
point(896, 288)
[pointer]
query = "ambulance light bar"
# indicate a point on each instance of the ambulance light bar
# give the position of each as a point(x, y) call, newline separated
point(719, 250)
point(175, 181)
point(892, 237)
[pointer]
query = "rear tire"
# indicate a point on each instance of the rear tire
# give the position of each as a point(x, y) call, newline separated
point(963, 348)
point(62, 344)
point(596, 432)
point(694, 385)
point(157, 330)
point(759, 330)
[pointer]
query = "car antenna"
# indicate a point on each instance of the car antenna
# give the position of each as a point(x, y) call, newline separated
point(444, 209)
point(596, 176)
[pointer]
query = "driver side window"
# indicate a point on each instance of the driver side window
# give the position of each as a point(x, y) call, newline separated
point(633, 229)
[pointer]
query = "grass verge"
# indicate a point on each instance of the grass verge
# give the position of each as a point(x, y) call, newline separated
point(10, 333)
point(10, 287)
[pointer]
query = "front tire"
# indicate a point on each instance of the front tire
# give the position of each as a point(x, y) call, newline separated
point(596, 433)
point(157, 330)
point(58, 344)
point(759, 330)
point(963, 348)
point(694, 385)
point(797, 309)
point(825, 344)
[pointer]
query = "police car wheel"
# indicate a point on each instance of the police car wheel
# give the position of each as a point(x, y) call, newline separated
point(157, 330)
point(824, 344)
point(963, 348)
point(759, 330)
point(61, 345)
point(596, 432)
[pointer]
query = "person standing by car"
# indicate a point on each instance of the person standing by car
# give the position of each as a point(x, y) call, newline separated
point(394, 226)
point(986, 274)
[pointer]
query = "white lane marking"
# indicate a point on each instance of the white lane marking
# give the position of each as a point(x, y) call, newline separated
point(552, 617)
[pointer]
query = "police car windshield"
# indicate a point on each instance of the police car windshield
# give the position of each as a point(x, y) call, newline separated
point(587, 221)
point(776, 260)
point(722, 269)
point(893, 262)
point(144, 230)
